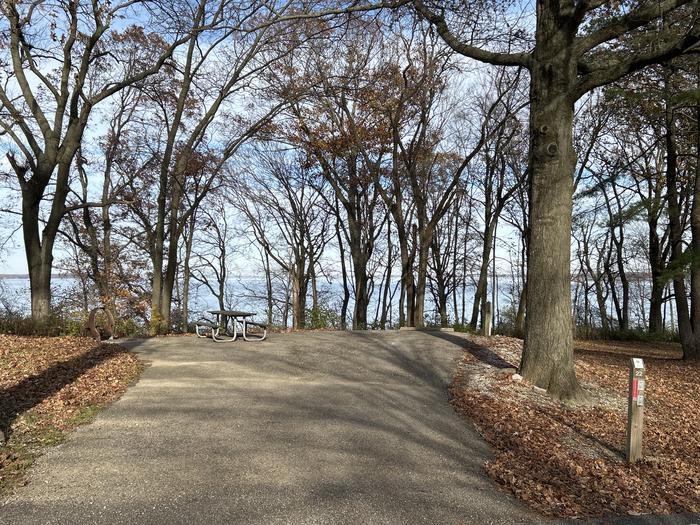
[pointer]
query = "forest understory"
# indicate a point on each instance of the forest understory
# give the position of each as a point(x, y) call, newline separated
point(569, 460)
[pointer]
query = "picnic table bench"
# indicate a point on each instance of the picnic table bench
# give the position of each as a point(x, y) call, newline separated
point(225, 327)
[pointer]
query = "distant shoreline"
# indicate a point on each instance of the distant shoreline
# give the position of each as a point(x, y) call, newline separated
point(26, 276)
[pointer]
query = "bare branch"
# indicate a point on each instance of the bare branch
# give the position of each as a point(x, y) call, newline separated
point(632, 20)
point(615, 70)
point(482, 55)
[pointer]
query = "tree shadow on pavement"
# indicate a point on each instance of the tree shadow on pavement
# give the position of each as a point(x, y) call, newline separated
point(483, 354)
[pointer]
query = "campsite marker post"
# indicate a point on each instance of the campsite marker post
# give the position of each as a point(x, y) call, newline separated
point(635, 410)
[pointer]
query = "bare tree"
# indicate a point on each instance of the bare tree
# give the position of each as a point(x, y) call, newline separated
point(60, 61)
point(283, 209)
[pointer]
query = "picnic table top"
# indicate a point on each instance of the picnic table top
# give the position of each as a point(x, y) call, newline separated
point(231, 313)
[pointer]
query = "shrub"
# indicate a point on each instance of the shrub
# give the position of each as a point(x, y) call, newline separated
point(322, 317)
point(465, 328)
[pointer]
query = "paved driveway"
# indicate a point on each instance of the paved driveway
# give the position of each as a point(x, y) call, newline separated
point(324, 427)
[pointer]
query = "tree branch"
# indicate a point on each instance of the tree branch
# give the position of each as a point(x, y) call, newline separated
point(632, 20)
point(615, 70)
point(482, 55)
point(110, 202)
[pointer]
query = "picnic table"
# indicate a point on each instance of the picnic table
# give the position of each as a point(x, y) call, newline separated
point(226, 326)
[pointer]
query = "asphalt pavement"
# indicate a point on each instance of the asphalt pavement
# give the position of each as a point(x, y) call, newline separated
point(322, 427)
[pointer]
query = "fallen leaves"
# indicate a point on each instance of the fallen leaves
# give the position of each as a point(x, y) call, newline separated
point(568, 461)
point(50, 385)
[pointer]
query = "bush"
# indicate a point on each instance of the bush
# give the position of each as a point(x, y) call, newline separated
point(59, 323)
point(17, 324)
point(321, 318)
point(465, 328)
point(129, 328)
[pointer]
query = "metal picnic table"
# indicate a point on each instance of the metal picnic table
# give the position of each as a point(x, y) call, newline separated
point(226, 325)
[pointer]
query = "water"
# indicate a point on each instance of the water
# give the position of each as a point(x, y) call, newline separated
point(242, 293)
point(248, 293)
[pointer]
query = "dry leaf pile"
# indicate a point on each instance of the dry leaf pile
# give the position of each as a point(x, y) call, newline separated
point(50, 385)
point(568, 461)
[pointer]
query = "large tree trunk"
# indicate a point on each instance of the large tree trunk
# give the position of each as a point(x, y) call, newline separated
point(38, 265)
point(685, 330)
point(157, 258)
point(695, 230)
point(189, 242)
point(424, 239)
point(38, 245)
point(359, 315)
point(405, 311)
point(299, 289)
point(548, 351)
point(359, 253)
point(409, 278)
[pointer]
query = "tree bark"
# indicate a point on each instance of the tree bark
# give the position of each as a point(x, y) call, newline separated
point(685, 329)
point(344, 271)
point(38, 245)
point(656, 298)
point(387, 288)
point(189, 241)
point(268, 286)
point(299, 289)
point(425, 238)
point(482, 283)
point(695, 244)
point(548, 351)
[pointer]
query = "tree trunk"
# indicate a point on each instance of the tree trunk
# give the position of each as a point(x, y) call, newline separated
point(441, 294)
point(268, 286)
point(657, 285)
point(520, 314)
point(405, 311)
point(285, 310)
point(548, 350)
point(359, 315)
point(344, 272)
point(482, 283)
point(409, 278)
point(189, 241)
point(424, 239)
point(40, 287)
point(299, 289)
point(624, 283)
point(39, 246)
point(695, 243)
point(387, 287)
point(685, 330)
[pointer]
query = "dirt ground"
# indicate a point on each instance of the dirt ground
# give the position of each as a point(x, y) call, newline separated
point(569, 461)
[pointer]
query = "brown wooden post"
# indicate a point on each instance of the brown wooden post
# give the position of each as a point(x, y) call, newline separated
point(635, 410)
point(487, 319)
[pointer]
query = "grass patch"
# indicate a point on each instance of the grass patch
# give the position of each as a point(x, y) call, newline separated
point(85, 415)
